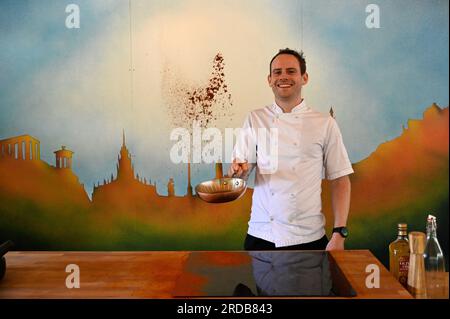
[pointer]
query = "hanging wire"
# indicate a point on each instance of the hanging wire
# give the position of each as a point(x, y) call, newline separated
point(131, 56)
point(301, 24)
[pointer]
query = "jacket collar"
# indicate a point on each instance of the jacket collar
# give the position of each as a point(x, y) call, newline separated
point(300, 108)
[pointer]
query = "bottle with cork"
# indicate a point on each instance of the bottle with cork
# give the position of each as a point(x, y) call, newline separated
point(399, 255)
point(434, 258)
point(434, 262)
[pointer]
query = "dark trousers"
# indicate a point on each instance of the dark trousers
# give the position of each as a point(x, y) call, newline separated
point(254, 243)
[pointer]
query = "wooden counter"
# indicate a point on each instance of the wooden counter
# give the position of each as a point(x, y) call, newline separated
point(147, 274)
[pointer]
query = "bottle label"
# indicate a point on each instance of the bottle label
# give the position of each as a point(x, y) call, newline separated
point(403, 267)
point(403, 264)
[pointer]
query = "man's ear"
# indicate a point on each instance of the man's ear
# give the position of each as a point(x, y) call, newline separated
point(305, 78)
point(269, 79)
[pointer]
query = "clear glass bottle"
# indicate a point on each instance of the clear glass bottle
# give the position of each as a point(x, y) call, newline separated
point(434, 261)
point(434, 258)
point(399, 255)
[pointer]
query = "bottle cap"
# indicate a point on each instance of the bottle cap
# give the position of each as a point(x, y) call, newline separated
point(431, 217)
point(402, 229)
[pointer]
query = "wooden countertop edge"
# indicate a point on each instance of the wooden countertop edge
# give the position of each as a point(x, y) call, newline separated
point(351, 268)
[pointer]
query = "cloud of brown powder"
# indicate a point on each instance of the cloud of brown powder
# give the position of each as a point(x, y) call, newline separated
point(204, 104)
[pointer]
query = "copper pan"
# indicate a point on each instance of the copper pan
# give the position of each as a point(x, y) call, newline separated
point(221, 190)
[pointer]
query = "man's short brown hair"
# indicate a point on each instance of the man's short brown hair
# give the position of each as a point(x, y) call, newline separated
point(298, 55)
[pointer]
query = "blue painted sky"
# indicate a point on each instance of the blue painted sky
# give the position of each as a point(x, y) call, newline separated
point(73, 86)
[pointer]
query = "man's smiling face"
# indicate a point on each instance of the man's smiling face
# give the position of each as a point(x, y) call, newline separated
point(285, 78)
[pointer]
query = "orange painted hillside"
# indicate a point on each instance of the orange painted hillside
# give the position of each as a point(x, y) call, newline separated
point(38, 182)
point(401, 170)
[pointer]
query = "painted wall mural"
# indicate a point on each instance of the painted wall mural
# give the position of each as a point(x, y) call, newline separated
point(87, 110)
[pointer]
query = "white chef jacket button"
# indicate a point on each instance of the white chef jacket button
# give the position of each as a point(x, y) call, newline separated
point(295, 143)
point(293, 168)
point(292, 195)
point(271, 219)
point(273, 193)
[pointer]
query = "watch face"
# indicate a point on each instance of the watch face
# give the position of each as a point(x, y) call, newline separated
point(344, 232)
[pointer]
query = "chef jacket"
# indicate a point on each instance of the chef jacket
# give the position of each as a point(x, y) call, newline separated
point(293, 152)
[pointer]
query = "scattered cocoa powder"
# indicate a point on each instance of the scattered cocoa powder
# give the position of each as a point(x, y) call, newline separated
point(204, 104)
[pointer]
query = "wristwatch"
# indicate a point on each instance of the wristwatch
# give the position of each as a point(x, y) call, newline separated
point(343, 231)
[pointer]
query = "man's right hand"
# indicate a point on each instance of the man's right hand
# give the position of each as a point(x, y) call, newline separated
point(238, 169)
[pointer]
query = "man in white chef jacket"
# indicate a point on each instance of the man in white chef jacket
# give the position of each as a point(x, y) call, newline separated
point(302, 146)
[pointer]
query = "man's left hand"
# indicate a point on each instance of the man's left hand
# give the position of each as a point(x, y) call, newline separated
point(336, 242)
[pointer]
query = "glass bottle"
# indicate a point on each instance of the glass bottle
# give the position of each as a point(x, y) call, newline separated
point(434, 260)
point(399, 255)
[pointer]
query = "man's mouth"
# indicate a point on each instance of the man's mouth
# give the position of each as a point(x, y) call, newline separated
point(284, 85)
